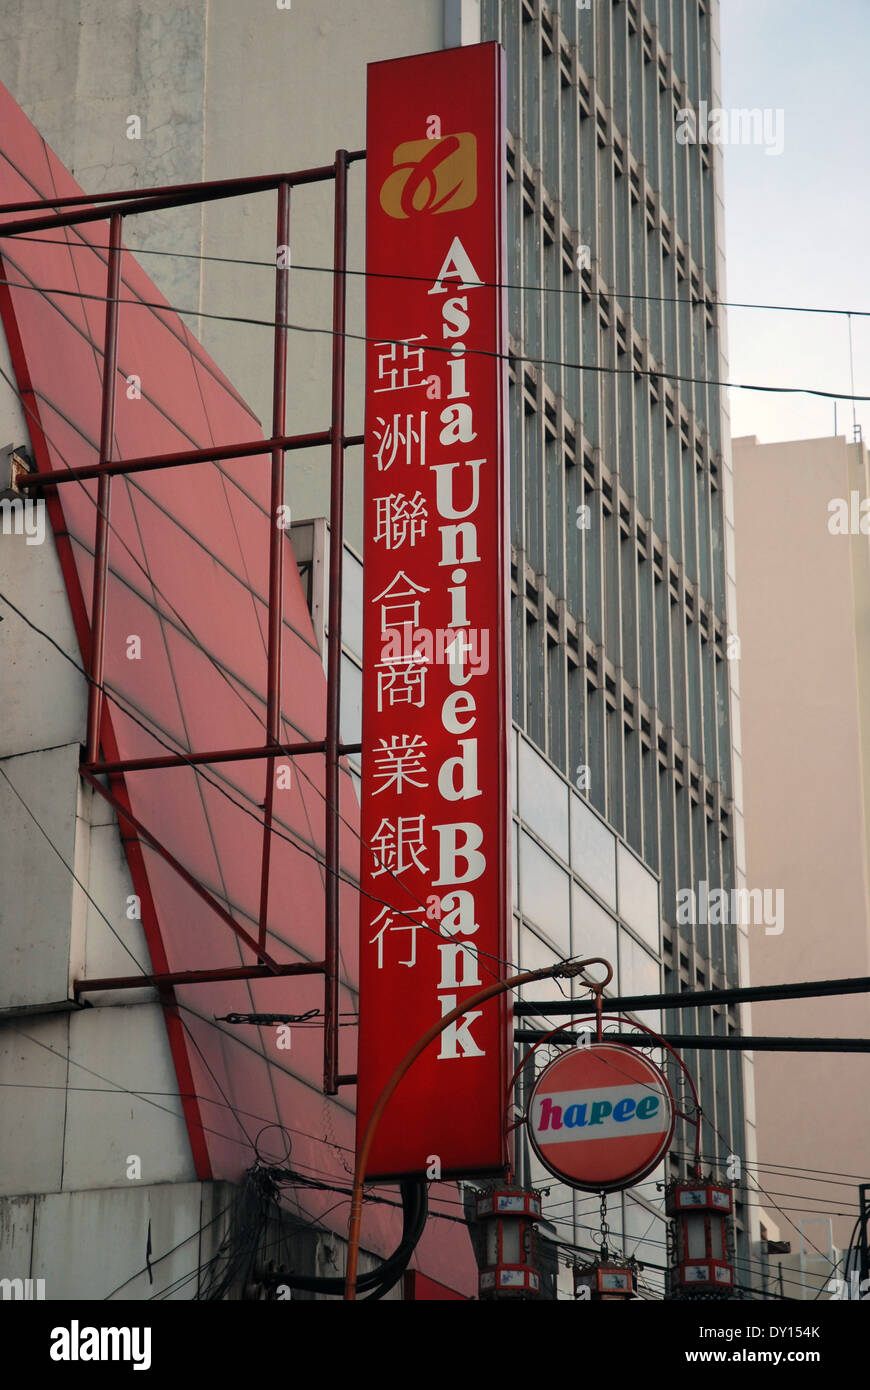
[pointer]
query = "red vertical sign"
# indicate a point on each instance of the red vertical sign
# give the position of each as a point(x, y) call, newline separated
point(435, 904)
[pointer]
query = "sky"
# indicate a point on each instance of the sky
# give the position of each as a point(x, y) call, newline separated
point(797, 223)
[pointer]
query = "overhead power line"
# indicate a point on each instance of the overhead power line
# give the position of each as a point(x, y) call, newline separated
point(520, 287)
point(788, 1170)
point(653, 373)
point(699, 998)
point(712, 1042)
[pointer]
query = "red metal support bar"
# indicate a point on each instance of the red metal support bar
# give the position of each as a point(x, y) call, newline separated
point(104, 498)
point(198, 977)
point(133, 201)
point(276, 542)
point(276, 531)
point(217, 755)
point(215, 188)
point(82, 209)
point(333, 663)
point(149, 462)
point(125, 815)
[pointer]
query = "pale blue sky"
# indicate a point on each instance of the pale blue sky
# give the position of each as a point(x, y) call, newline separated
point(798, 223)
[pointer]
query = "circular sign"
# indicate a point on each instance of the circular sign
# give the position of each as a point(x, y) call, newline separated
point(601, 1117)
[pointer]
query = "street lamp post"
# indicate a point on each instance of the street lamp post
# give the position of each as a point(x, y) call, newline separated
point(563, 971)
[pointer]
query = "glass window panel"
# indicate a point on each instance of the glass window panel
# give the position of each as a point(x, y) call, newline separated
point(545, 894)
point(593, 851)
point(638, 970)
point(696, 1238)
point(650, 1018)
point(638, 1220)
point(593, 932)
point(539, 1176)
point(638, 897)
point(510, 1242)
point(351, 702)
point(351, 603)
point(534, 955)
point(543, 800)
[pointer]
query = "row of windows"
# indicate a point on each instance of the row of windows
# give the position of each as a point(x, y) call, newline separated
point(619, 637)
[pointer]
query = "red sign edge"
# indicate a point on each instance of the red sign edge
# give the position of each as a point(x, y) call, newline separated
point(504, 1001)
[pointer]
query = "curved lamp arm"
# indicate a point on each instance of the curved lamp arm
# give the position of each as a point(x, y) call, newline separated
point(563, 971)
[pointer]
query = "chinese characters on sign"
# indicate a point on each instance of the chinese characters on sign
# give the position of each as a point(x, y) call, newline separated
point(434, 905)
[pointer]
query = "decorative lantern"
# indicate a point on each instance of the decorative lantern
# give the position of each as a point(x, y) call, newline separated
point(606, 1281)
point(509, 1216)
point(701, 1212)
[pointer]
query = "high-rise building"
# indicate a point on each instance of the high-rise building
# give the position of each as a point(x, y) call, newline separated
point(621, 490)
point(627, 785)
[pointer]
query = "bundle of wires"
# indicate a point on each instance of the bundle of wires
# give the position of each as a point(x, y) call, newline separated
point(235, 1261)
point(258, 1201)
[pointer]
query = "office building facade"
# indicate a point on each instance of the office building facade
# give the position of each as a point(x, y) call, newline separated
point(621, 487)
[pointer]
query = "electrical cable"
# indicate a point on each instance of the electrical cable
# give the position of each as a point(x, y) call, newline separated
point(665, 1269)
point(66, 865)
point(409, 916)
point(592, 1252)
point(158, 1259)
point(824, 1173)
point(378, 1282)
point(125, 1090)
point(230, 1107)
point(565, 364)
point(693, 302)
point(653, 373)
point(759, 1187)
point(753, 1264)
point(770, 1202)
point(120, 702)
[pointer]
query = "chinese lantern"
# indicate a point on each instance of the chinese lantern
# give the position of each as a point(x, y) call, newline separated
point(701, 1213)
point(604, 1282)
point(509, 1216)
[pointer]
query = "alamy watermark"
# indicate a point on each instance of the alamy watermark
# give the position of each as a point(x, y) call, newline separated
point(740, 907)
point(77, 1343)
point(738, 125)
point(849, 516)
point(464, 649)
point(23, 516)
point(23, 1290)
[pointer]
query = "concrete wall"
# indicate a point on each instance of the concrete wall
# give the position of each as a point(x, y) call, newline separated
point(186, 1225)
point(82, 68)
point(223, 90)
point(273, 130)
point(805, 649)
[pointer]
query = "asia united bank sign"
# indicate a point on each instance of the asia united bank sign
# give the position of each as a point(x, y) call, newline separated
point(435, 886)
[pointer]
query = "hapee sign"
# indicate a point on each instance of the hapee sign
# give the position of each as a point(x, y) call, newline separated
point(435, 904)
point(601, 1117)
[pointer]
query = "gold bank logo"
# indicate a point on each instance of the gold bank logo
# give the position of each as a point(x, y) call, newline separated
point(431, 176)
